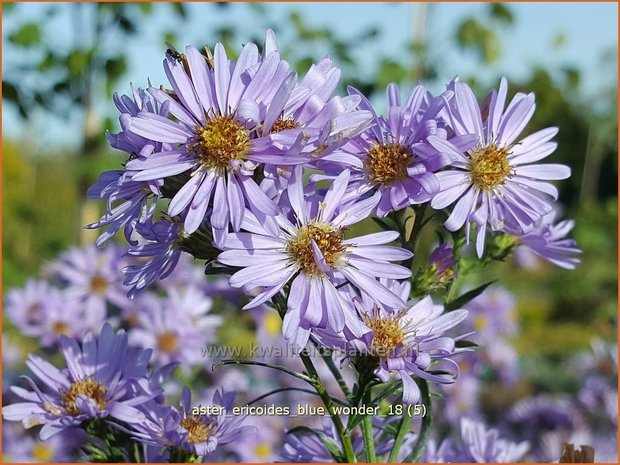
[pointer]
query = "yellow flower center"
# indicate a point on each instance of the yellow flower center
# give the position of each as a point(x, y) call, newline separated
point(263, 450)
point(60, 327)
point(87, 387)
point(273, 323)
point(221, 141)
point(386, 163)
point(41, 452)
point(389, 333)
point(282, 124)
point(197, 430)
point(98, 284)
point(489, 166)
point(328, 240)
point(167, 342)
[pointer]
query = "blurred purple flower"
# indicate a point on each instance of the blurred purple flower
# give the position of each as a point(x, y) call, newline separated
point(18, 447)
point(311, 253)
point(548, 241)
point(481, 445)
point(176, 327)
point(91, 275)
point(103, 379)
point(493, 180)
point(492, 314)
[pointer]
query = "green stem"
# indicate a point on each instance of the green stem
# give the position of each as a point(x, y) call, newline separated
point(403, 428)
point(369, 441)
point(345, 436)
point(427, 423)
point(329, 361)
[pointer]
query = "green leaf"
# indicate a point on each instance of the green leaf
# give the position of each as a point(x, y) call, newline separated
point(115, 67)
point(501, 13)
point(331, 446)
point(77, 61)
point(27, 35)
point(179, 8)
point(463, 299)
point(465, 344)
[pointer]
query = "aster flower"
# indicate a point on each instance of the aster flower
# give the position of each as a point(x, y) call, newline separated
point(167, 426)
point(310, 252)
point(91, 275)
point(176, 335)
point(27, 307)
point(308, 448)
point(492, 314)
point(162, 249)
point(493, 180)
point(103, 379)
point(481, 445)
point(127, 200)
point(19, 447)
point(405, 340)
point(391, 157)
point(548, 241)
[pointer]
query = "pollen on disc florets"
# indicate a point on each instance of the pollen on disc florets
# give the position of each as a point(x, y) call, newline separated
point(221, 141)
point(386, 163)
point(389, 332)
point(197, 430)
point(87, 387)
point(282, 124)
point(327, 239)
point(489, 166)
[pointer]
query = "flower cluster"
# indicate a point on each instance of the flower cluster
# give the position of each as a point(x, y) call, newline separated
point(312, 204)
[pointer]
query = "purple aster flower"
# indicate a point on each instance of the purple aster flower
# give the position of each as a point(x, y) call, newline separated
point(128, 201)
point(481, 445)
point(529, 418)
point(310, 252)
point(102, 379)
point(21, 448)
point(47, 313)
point(548, 241)
point(406, 340)
point(308, 448)
point(161, 249)
point(187, 429)
point(492, 313)
point(443, 262)
point(218, 111)
point(176, 335)
point(27, 307)
point(390, 157)
point(461, 398)
point(92, 275)
point(493, 180)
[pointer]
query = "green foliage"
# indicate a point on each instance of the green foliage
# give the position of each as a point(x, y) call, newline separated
point(27, 35)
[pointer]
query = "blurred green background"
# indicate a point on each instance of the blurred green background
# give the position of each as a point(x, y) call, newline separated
point(62, 62)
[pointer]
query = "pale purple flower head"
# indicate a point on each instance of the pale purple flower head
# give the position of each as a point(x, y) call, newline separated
point(481, 445)
point(308, 448)
point(404, 340)
point(492, 178)
point(161, 251)
point(309, 251)
point(493, 314)
point(443, 262)
point(547, 241)
point(176, 327)
point(93, 276)
point(128, 201)
point(27, 307)
point(189, 429)
point(18, 447)
point(103, 379)
point(391, 157)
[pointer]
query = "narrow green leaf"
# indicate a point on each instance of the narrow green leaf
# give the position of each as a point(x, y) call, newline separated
point(463, 299)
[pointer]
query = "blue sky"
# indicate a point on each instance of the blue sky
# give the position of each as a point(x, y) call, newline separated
point(590, 29)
